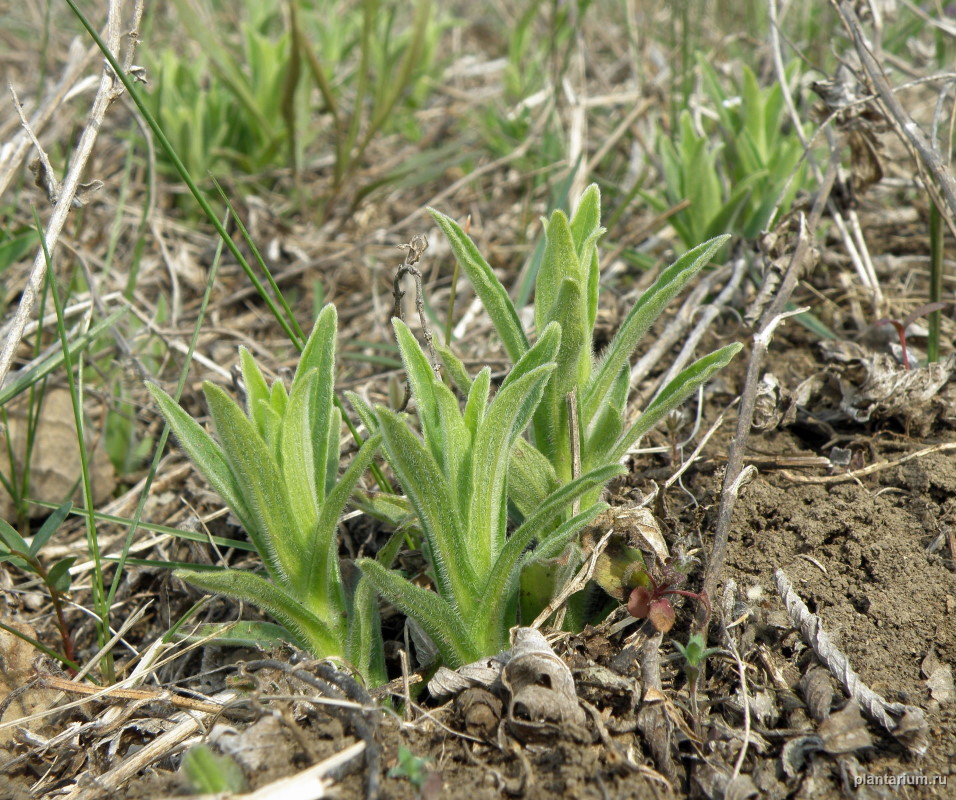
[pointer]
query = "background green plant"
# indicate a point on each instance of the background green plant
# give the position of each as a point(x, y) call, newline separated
point(26, 556)
point(276, 467)
point(737, 175)
point(249, 105)
point(567, 292)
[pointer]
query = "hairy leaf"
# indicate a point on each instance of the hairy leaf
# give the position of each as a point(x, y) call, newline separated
point(321, 639)
point(640, 319)
point(672, 395)
point(493, 295)
point(438, 619)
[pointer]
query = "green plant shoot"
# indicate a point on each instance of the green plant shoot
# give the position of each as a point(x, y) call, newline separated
point(276, 467)
point(566, 292)
point(456, 479)
point(15, 550)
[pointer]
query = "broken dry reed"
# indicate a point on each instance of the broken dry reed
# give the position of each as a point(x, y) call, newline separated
point(413, 254)
point(925, 155)
point(914, 734)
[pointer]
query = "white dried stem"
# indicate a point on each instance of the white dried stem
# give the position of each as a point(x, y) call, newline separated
point(105, 95)
point(874, 706)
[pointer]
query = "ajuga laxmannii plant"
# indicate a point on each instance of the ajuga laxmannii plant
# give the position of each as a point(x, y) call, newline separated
point(276, 466)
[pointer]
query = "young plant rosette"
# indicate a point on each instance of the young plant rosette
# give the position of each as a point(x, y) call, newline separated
point(276, 466)
point(456, 478)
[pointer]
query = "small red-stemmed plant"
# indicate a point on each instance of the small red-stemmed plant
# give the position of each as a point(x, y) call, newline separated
point(651, 601)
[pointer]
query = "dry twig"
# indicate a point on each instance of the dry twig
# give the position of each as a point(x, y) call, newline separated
point(870, 469)
point(906, 128)
point(770, 318)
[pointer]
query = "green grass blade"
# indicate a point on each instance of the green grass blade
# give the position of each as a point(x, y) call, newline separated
point(55, 361)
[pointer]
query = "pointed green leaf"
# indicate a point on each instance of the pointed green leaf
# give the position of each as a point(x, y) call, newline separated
point(441, 422)
point(500, 591)
point(587, 231)
point(444, 625)
point(560, 263)
point(493, 295)
point(640, 319)
point(58, 578)
point(604, 434)
point(544, 351)
point(553, 507)
point(594, 287)
point(587, 218)
point(242, 633)
point(672, 395)
point(256, 388)
point(271, 428)
point(332, 450)
point(319, 350)
point(508, 414)
point(278, 397)
point(364, 410)
point(454, 368)
point(422, 378)
point(552, 545)
point(321, 639)
point(53, 522)
point(321, 578)
point(364, 649)
point(12, 540)
point(319, 354)
point(477, 402)
point(273, 526)
point(297, 459)
point(531, 477)
point(434, 502)
point(620, 389)
point(574, 357)
point(454, 437)
point(206, 455)
point(19, 563)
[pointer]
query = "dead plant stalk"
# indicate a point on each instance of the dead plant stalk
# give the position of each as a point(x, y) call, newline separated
point(108, 91)
point(771, 317)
